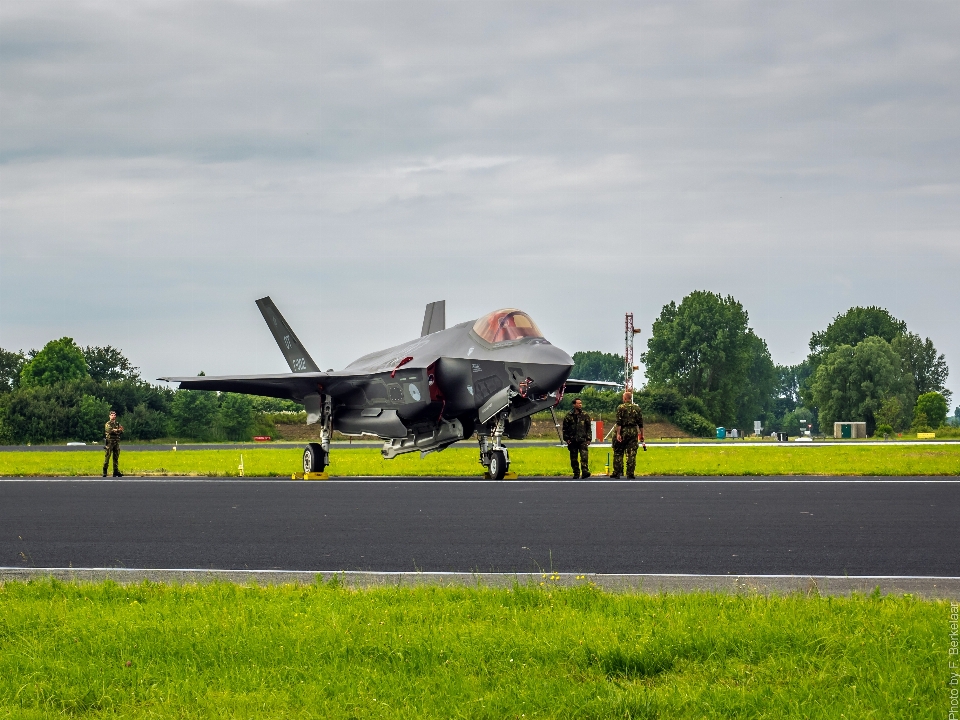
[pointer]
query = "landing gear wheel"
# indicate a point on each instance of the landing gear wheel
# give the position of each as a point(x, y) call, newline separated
point(498, 465)
point(314, 458)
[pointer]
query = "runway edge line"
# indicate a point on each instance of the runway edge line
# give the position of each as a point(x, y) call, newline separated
point(947, 588)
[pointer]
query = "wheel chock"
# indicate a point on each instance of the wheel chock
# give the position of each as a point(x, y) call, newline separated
point(310, 476)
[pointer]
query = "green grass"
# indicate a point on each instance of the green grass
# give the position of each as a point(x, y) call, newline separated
point(221, 650)
point(840, 459)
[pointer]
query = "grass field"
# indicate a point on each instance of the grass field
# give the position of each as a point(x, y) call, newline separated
point(148, 651)
point(663, 460)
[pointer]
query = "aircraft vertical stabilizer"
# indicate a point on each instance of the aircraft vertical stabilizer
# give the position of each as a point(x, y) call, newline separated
point(434, 318)
point(293, 351)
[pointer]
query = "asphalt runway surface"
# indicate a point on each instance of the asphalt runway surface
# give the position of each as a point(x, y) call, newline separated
point(803, 526)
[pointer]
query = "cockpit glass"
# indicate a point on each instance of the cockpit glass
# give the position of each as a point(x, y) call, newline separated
point(507, 324)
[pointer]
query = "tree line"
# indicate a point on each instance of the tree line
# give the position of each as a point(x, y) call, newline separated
point(705, 367)
point(65, 392)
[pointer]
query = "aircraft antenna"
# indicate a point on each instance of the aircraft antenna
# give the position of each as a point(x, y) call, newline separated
point(628, 365)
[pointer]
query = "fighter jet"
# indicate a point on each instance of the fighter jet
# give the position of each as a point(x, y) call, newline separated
point(484, 376)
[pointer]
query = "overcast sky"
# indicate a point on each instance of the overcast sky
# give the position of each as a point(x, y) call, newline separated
point(162, 165)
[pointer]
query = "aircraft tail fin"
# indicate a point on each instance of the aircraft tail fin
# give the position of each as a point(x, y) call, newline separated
point(434, 318)
point(293, 351)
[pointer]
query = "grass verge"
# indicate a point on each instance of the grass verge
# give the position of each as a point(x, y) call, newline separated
point(152, 650)
point(662, 460)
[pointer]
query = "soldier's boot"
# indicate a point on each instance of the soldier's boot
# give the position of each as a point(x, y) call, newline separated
point(117, 473)
point(104, 469)
point(617, 465)
point(586, 474)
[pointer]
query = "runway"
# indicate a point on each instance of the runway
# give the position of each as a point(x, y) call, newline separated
point(792, 526)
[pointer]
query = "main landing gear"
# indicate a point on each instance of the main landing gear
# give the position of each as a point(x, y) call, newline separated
point(494, 455)
point(315, 459)
point(316, 456)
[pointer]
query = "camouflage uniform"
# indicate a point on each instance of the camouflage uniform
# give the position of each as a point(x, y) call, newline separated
point(629, 423)
point(577, 433)
point(112, 430)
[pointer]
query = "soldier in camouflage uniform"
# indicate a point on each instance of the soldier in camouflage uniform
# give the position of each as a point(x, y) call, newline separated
point(628, 436)
point(577, 433)
point(112, 431)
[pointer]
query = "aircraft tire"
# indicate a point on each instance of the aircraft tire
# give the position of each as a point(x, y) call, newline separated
point(498, 465)
point(314, 459)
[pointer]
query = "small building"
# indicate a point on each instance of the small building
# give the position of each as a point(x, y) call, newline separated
point(849, 430)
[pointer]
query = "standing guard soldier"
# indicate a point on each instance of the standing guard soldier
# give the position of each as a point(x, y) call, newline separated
point(629, 434)
point(577, 432)
point(112, 431)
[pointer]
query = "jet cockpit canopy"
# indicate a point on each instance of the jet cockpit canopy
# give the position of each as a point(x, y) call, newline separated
point(505, 325)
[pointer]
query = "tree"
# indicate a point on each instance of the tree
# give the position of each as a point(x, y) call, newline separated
point(11, 363)
point(787, 393)
point(595, 402)
point(703, 348)
point(108, 363)
point(851, 383)
point(854, 326)
point(92, 414)
point(145, 423)
point(194, 414)
point(126, 394)
point(55, 402)
point(929, 370)
point(45, 413)
point(849, 328)
point(274, 405)
point(596, 365)
point(662, 400)
point(934, 406)
point(891, 414)
point(236, 416)
point(797, 420)
point(756, 398)
point(59, 361)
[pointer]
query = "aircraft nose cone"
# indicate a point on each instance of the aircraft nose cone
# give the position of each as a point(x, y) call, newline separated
point(552, 367)
point(553, 355)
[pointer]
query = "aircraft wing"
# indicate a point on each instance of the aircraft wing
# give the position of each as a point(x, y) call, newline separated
point(574, 386)
point(289, 386)
point(304, 380)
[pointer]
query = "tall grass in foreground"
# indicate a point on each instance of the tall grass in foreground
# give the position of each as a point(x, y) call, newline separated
point(221, 650)
point(463, 461)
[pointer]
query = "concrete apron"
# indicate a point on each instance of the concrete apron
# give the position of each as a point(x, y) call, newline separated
point(926, 587)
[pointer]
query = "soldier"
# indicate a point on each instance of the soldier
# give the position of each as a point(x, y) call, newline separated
point(577, 435)
point(629, 434)
point(112, 431)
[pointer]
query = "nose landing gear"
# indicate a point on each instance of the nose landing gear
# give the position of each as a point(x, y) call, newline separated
point(494, 455)
point(498, 464)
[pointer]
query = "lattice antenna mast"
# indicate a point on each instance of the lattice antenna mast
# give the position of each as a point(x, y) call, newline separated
point(628, 365)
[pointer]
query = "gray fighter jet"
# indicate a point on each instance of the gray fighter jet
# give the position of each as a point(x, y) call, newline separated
point(485, 376)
